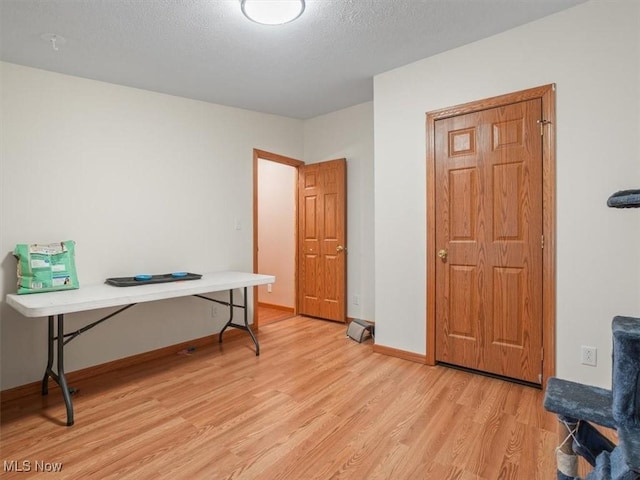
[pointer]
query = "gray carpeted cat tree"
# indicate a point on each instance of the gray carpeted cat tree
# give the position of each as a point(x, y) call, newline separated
point(579, 406)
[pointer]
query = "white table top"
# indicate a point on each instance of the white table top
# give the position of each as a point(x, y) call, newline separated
point(91, 297)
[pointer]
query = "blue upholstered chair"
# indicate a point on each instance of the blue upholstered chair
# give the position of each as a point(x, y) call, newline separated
point(578, 406)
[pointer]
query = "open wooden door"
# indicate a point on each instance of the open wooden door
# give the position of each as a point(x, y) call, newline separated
point(322, 265)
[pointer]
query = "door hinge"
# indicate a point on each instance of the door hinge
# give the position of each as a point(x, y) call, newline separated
point(542, 123)
point(539, 378)
point(542, 241)
point(542, 354)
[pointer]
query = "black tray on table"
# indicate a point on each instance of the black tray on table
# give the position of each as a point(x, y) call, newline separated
point(146, 279)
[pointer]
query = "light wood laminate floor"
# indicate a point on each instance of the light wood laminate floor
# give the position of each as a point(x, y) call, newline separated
point(268, 315)
point(313, 405)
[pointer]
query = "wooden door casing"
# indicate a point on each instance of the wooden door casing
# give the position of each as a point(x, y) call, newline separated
point(322, 239)
point(488, 294)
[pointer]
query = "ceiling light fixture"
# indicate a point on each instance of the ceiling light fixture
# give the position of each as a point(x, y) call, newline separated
point(272, 12)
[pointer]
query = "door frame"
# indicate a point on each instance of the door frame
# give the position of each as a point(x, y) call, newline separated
point(273, 157)
point(547, 94)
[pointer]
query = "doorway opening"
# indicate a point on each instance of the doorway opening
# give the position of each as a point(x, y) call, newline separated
point(275, 180)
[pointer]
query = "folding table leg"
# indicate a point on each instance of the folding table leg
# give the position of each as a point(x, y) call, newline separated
point(59, 376)
point(246, 326)
point(49, 370)
point(62, 380)
point(246, 323)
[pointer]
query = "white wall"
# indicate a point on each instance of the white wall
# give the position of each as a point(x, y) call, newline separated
point(277, 197)
point(348, 133)
point(592, 53)
point(143, 182)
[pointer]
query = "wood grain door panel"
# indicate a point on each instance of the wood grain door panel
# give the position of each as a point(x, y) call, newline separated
point(322, 237)
point(488, 168)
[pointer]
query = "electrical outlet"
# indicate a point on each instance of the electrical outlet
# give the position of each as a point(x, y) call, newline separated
point(269, 288)
point(214, 311)
point(356, 299)
point(589, 356)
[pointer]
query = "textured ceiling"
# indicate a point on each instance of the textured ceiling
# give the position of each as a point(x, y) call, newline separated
point(206, 49)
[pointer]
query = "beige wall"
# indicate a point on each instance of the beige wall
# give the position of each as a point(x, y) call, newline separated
point(592, 53)
point(348, 133)
point(143, 182)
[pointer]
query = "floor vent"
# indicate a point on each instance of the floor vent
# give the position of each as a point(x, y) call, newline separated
point(359, 330)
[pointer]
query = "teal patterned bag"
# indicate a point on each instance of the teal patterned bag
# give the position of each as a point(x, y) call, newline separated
point(46, 268)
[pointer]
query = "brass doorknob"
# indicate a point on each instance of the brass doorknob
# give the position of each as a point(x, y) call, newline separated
point(443, 254)
point(339, 248)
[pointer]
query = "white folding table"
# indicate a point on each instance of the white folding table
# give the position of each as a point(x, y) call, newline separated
point(91, 297)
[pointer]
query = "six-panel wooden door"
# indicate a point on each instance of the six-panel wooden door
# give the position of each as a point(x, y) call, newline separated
point(322, 240)
point(488, 172)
